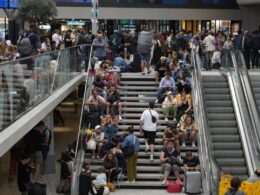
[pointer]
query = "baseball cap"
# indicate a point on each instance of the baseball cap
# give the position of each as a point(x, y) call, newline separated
point(97, 127)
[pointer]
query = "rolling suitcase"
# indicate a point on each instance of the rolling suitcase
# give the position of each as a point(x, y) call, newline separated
point(192, 182)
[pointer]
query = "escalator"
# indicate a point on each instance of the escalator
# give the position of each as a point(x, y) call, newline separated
point(255, 83)
point(223, 125)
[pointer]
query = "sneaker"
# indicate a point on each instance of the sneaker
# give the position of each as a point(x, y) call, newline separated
point(148, 72)
point(183, 144)
point(146, 148)
point(156, 101)
point(163, 182)
point(193, 144)
point(132, 181)
point(166, 119)
point(120, 117)
point(151, 158)
point(174, 120)
point(98, 157)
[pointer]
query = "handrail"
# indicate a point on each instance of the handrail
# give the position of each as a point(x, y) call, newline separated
point(206, 146)
point(79, 154)
point(252, 114)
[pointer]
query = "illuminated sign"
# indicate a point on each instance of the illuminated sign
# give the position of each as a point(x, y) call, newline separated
point(76, 23)
point(9, 4)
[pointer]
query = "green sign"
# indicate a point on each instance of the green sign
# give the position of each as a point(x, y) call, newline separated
point(76, 23)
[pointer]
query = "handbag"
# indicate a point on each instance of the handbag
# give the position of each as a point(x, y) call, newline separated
point(174, 187)
point(91, 145)
point(153, 117)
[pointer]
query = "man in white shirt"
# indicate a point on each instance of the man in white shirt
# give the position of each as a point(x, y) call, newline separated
point(209, 43)
point(57, 38)
point(148, 128)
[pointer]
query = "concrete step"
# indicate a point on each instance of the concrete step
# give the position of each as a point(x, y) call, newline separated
point(139, 98)
point(139, 104)
point(139, 88)
point(137, 127)
point(140, 110)
point(138, 83)
point(136, 93)
point(136, 115)
point(134, 121)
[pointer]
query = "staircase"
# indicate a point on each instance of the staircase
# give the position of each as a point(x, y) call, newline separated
point(255, 82)
point(223, 125)
point(136, 91)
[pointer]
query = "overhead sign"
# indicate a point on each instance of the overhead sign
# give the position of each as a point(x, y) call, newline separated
point(8, 4)
point(76, 23)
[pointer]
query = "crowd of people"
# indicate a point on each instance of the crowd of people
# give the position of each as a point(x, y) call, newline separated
point(140, 51)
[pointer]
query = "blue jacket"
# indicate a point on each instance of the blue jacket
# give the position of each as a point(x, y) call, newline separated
point(130, 140)
point(110, 131)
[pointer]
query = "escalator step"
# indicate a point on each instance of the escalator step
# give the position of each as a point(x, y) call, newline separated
point(222, 123)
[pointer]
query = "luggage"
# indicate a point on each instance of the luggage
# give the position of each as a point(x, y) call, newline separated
point(174, 186)
point(63, 187)
point(192, 182)
point(36, 189)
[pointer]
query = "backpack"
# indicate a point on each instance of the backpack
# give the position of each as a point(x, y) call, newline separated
point(25, 46)
point(50, 136)
point(129, 149)
point(82, 39)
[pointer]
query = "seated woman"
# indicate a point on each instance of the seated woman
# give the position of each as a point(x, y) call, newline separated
point(171, 134)
point(111, 166)
point(184, 101)
point(189, 130)
point(98, 136)
point(183, 83)
point(170, 106)
point(170, 159)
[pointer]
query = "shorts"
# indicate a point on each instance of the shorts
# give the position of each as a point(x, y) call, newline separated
point(150, 135)
point(145, 56)
point(168, 167)
point(38, 157)
point(45, 151)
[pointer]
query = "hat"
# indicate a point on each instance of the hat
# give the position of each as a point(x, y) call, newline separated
point(169, 93)
point(163, 58)
point(97, 127)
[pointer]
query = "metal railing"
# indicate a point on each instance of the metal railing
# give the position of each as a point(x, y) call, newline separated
point(211, 170)
point(27, 82)
point(80, 152)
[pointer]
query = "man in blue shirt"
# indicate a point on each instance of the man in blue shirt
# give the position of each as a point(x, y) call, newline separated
point(99, 46)
point(167, 84)
point(111, 130)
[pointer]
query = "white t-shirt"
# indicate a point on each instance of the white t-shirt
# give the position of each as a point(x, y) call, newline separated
point(146, 118)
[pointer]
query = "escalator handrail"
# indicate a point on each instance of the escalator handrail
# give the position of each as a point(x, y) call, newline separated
point(206, 136)
point(250, 101)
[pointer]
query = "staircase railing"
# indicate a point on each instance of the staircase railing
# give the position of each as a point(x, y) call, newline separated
point(250, 110)
point(26, 82)
point(211, 170)
point(80, 152)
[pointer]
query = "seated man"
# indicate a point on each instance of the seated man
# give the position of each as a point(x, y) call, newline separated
point(167, 84)
point(160, 69)
point(120, 62)
point(170, 159)
point(99, 86)
point(171, 134)
point(111, 130)
point(97, 103)
point(191, 163)
point(114, 100)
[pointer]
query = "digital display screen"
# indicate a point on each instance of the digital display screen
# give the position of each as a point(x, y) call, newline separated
point(7, 4)
point(222, 4)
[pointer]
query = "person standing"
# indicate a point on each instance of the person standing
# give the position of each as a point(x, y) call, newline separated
point(131, 140)
point(148, 127)
point(209, 43)
point(144, 46)
point(24, 174)
point(99, 46)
